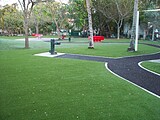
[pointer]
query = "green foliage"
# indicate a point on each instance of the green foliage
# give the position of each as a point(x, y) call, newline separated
point(2, 18)
point(11, 19)
point(40, 19)
point(74, 15)
point(149, 16)
point(143, 4)
point(78, 12)
point(58, 13)
point(116, 11)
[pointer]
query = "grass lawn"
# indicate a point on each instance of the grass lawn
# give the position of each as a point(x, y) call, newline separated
point(39, 88)
point(150, 42)
point(155, 67)
point(108, 50)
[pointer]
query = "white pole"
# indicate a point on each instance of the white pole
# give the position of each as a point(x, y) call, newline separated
point(153, 10)
point(137, 29)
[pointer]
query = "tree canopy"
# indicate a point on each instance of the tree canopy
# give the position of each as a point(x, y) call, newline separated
point(44, 16)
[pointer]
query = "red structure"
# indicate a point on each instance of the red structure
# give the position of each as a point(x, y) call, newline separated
point(97, 38)
point(37, 35)
point(63, 36)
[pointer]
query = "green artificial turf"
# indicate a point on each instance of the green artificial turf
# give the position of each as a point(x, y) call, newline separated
point(39, 88)
point(22, 37)
point(108, 50)
point(155, 67)
point(80, 46)
point(11, 37)
point(157, 42)
point(34, 88)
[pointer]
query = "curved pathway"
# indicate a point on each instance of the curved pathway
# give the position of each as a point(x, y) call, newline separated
point(128, 68)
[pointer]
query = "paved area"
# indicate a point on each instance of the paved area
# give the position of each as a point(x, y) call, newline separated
point(129, 69)
point(156, 61)
point(86, 57)
point(48, 54)
point(36, 39)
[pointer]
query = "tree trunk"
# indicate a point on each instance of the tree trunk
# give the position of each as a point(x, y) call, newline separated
point(119, 25)
point(133, 32)
point(59, 33)
point(153, 33)
point(118, 32)
point(58, 29)
point(26, 6)
point(144, 34)
point(91, 43)
point(26, 32)
point(37, 28)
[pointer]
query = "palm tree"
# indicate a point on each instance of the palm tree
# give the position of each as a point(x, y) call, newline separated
point(133, 33)
point(91, 43)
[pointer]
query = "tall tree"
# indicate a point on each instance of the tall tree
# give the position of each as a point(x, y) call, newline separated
point(151, 16)
point(148, 17)
point(58, 13)
point(10, 19)
point(91, 43)
point(133, 32)
point(37, 16)
point(9, 22)
point(115, 10)
point(26, 6)
point(78, 14)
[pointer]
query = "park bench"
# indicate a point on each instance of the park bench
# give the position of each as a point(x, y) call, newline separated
point(97, 38)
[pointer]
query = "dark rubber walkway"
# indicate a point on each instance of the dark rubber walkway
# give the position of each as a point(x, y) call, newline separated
point(128, 68)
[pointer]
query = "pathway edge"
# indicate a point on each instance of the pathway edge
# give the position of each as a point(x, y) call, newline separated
point(139, 64)
point(106, 65)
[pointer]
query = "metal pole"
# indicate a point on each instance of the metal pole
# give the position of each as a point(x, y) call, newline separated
point(137, 30)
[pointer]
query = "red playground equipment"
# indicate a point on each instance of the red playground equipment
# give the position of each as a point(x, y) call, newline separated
point(97, 38)
point(37, 35)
